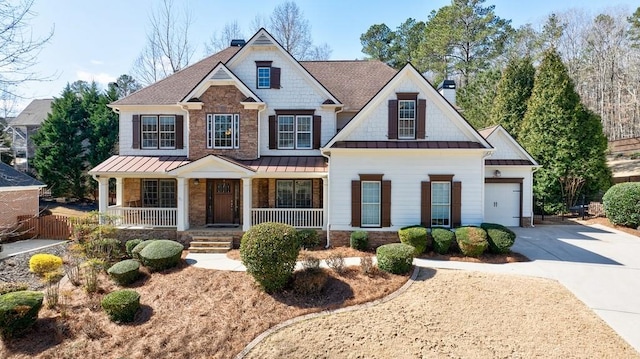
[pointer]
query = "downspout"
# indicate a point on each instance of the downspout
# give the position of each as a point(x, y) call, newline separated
point(533, 170)
point(484, 168)
point(329, 185)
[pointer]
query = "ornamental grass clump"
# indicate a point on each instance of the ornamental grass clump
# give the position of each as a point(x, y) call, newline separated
point(125, 272)
point(161, 254)
point(121, 306)
point(269, 251)
point(415, 236)
point(442, 239)
point(472, 241)
point(310, 281)
point(43, 263)
point(395, 258)
point(19, 311)
point(500, 238)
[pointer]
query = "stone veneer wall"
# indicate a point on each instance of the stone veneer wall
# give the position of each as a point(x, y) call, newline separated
point(525, 222)
point(125, 234)
point(223, 100)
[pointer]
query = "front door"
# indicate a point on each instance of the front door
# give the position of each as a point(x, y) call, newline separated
point(221, 202)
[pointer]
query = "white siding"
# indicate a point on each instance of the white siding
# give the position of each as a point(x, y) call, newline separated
point(505, 149)
point(297, 91)
point(440, 124)
point(126, 134)
point(523, 172)
point(406, 170)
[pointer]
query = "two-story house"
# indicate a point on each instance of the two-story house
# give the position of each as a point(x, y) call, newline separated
point(250, 135)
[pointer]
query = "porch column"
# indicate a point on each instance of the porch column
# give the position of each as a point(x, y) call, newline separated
point(180, 218)
point(325, 202)
point(103, 196)
point(119, 190)
point(247, 202)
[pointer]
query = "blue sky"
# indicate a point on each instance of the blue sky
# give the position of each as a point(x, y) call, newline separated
point(99, 40)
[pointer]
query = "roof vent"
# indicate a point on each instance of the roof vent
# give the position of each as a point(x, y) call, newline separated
point(238, 42)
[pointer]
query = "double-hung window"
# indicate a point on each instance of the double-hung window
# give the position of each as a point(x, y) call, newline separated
point(158, 132)
point(223, 131)
point(295, 132)
point(293, 193)
point(441, 204)
point(406, 119)
point(159, 193)
point(371, 203)
point(264, 77)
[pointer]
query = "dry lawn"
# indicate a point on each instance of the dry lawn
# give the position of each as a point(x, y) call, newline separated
point(457, 314)
point(186, 312)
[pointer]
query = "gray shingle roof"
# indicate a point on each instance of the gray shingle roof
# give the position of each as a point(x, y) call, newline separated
point(10, 177)
point(34, 114)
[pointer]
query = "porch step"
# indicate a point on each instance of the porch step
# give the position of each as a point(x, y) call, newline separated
point(210, 244)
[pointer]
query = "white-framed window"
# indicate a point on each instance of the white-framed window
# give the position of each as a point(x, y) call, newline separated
point(293, 193)
point(159, 193)
point(441, 204)
point(264, 77)
point(158, 131)
point(223, 131)
point(295, 132)
point(406, 119)
point(371, 203)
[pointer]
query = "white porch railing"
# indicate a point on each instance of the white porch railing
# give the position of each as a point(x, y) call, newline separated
point(297, 217)
point(146, 217)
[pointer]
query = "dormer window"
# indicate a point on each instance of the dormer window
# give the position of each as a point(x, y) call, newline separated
point(267, 76)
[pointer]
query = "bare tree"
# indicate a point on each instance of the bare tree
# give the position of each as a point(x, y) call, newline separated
point(291, 29)
point(258, 22)
point(167, 50)
point(319, 53)
point(19, 48)
point(221, 41)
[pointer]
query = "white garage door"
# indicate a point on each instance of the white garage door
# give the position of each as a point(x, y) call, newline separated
point(502, 203)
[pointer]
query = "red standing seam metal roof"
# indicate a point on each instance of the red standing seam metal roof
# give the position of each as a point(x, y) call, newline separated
point(406, 144)
point(489, 162)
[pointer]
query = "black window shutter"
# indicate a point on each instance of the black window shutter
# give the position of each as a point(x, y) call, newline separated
point(393, 120)
point(179, 132)
point(425, 204)
point(275, 77)
point(273, 133)
point(356, 204)
point(421, 124)
point(317, 131)
point(136, 131)
point(385, 213)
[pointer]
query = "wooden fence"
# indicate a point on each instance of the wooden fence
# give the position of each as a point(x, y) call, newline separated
point(628, 145)
point(47, 227)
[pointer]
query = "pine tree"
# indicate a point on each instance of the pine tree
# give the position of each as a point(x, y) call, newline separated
point(476, 99)
point(514, 90)
point(564, 137)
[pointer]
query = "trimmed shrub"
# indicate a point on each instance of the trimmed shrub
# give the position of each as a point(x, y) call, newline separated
point(161, 254)
point(359, 240)
point(500, 238)
point(415, 236)
point(309, 281)
point(472, 241)
point(135, 252)
point(9, 287)
point(43, 263)
point(395, 258)
point(336, 263)
point(19, 311)
point(121, 306)
point(130, 245)
point(442, 239)
point(269, 251)
point(308, 238)
point(106, 249)
point(125, 272)
point(622, 204)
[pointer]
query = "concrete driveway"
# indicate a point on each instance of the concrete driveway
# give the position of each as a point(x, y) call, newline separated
point(599, 265)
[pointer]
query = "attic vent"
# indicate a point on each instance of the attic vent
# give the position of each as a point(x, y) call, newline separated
point(238, 42)
point(263, 40)
point(220, 75)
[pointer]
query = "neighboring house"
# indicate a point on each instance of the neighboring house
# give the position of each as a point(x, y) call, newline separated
point(251, 135)
point(23, 127)
point(18, 196)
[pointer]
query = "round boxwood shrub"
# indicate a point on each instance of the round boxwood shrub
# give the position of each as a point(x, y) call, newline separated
point(135, 252)
point(395, 258)
point(442, 239)
point(359, 240)
point(43, 263)
point(121, 306)
point(161, 254)
point(269, 251)
point(125, 272)
point(308, 238)
point(472, 241)
point(500, 238)
point(415, 236)
point(622, 204)
point(130, 245)
point(19, 311)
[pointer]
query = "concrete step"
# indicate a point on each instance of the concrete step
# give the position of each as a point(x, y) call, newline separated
point(216, 244)
point(208, 250)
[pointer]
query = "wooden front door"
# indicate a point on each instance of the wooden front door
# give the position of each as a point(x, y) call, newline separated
point(221, 202)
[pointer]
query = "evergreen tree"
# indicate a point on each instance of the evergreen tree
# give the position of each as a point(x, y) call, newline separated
point(564, 137)
point(514, 90)
point(376, 42)
point(476, 99)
